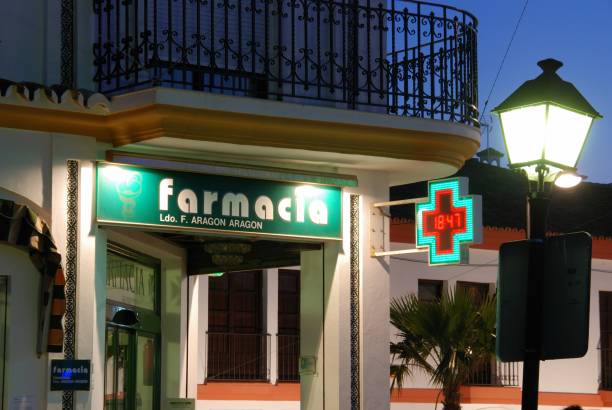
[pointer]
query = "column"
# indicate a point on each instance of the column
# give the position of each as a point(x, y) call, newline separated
point(202, 329)
point(271, 314)
point(193, 335)
point(374, 300)
point(324, 329)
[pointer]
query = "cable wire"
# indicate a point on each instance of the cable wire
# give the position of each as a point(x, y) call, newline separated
point(501, 65)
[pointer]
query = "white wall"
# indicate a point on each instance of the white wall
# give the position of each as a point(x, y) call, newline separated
point(26, 374)
point(554, 374)
point(25, 167)
point(408, 269)
point(374, 297)
point(477, 406)
point(30, 42)
point(247, 405)
point(33, 171)
point(325, 311)
point(586, 370)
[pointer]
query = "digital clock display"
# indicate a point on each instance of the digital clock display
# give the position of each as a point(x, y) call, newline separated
point(455, 220)
point(444, 222)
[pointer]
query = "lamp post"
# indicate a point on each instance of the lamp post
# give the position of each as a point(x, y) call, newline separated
point(545, 124)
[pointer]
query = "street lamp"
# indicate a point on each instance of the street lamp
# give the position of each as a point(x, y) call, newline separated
point(545, 124)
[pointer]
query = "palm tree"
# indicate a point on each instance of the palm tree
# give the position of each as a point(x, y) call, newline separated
point(448, 339)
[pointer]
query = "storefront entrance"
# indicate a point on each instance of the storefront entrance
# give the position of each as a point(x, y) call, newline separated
point(236, 256)
point(132, 376)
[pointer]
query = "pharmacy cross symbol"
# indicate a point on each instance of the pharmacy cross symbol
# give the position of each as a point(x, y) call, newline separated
point(445, 223)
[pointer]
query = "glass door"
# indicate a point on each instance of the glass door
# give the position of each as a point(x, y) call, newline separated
point(133, 331)
point(131, 370)
point(119, 374)
point(147, 388)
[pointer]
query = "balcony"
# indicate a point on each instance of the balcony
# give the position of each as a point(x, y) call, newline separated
point(247, 357)
point(402, 58)
point(288, 358)
point(494, 374)
point(238, 356)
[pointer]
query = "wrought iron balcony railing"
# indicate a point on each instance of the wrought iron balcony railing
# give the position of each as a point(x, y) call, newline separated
point(288, 347)
point(494, 374)
point(400, 57)
point(238, 356)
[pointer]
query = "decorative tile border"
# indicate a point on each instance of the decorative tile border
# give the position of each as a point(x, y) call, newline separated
point(71, 271)
point(67, 44)
point(354, 303)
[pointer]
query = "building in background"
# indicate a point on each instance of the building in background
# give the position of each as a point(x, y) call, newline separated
point(215, 113)
point(585, 381)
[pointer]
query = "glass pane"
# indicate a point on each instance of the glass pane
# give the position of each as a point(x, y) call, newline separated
point(146, 380)
point(123, 370)
point(430, 290)
point(524, 132)
point(130, 282)
point(109, 371)
point(565, 135)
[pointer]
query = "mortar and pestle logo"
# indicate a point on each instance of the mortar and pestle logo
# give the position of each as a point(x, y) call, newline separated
point(128, 185)
point(129, 189)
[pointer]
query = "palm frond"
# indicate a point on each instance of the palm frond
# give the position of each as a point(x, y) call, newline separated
point(447, 339)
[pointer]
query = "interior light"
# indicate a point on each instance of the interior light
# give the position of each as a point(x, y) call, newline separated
point(216, 274)
point(117, 174)
point(568, 180)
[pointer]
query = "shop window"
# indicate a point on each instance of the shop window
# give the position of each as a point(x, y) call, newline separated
point(478, 291)
point(132, 279)
point(430, 290)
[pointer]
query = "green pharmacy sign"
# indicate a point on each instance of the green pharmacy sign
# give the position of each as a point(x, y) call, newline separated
point(448, 221)
point(175, 200)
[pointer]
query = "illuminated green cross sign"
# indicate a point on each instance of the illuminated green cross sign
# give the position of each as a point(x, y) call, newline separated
point(448, 221)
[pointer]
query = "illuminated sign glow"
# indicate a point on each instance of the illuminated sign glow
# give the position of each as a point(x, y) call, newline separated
point(176, 200)
point(448, 221)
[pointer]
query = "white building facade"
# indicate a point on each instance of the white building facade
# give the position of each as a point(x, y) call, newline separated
point(302, 96)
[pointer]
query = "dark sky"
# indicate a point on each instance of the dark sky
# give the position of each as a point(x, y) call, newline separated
point(578, 33)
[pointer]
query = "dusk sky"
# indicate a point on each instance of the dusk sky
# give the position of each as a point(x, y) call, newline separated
point(577, 33)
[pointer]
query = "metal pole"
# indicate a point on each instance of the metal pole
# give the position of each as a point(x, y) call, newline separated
point(537, 210)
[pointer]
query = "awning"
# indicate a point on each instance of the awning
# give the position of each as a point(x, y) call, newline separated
point(20, 226)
